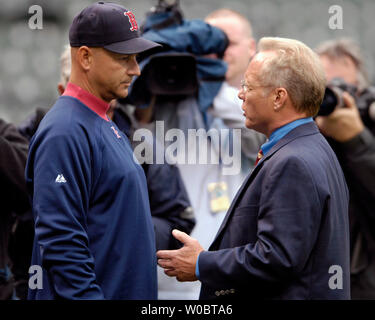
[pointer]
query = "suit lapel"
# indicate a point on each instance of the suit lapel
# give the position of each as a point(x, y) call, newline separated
point(244, 186)
point(303, 130)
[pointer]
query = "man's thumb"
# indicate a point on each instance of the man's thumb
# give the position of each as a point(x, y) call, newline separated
point(180, 236)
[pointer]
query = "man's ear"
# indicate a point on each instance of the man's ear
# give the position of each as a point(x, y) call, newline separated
point(84, 57)
point(280, 98)
point(252, 48)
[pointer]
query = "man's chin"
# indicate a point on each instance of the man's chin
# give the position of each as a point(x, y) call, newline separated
point(249, 124)
point(121, 94)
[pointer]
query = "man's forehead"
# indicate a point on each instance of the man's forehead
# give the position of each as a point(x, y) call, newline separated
point(232, 25)
point(225, 20)
point(344, 60)
point(252, 71)
point(258, 60)
point(255, 63)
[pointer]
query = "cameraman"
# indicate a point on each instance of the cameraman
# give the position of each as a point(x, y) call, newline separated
point(351, 136)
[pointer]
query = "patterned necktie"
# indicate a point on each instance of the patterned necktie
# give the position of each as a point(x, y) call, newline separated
point(259, 156)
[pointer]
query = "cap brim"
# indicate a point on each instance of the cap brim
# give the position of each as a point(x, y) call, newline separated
point(132, 46)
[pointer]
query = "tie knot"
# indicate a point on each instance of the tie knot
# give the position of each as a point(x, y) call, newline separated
point(259, 156)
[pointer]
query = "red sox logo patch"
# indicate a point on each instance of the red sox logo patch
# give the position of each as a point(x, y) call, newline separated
point(132, 21)
point(116, 132)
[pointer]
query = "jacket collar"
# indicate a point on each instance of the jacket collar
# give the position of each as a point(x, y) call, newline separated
point(300, 131)
point(97, 105)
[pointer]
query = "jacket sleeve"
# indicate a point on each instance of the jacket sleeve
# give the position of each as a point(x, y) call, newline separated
point(61, 168)
point(169, 203)
point(12, 166)
point(359, 158)
point(289, 215)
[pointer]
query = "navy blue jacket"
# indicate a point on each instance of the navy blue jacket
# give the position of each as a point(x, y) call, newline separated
point(94, 235)
point(169, 202)
point(287, 228)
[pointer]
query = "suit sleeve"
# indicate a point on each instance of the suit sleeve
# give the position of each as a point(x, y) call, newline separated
point(359, 161)
point(288, 221)
point(61, 167)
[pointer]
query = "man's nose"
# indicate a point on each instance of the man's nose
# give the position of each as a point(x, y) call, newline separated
point(134, 69)
point(241, 95)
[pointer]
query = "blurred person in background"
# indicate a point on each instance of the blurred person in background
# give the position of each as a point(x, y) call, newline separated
point(350, 131)
point(94, 236)
point(242, 45)
point(29, 126)
point(15, 253)
point(214, 106)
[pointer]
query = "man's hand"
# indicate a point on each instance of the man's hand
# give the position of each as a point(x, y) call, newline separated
point(181, 263)
point(343, 124)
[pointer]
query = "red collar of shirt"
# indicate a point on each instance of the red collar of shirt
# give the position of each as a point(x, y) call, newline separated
point(97, 105)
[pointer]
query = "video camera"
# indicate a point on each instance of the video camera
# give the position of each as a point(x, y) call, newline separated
point(165, 74)
point(179, 68)
point(333, 99)
point(170, 74)
point(172, 7)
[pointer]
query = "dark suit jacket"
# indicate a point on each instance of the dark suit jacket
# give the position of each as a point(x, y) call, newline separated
point(286, 234)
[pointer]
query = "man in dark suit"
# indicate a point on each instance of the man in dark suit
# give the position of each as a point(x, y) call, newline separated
point(285, 235)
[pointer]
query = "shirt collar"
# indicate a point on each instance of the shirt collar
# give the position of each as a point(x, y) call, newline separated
point(97, 105)
point(281, 132)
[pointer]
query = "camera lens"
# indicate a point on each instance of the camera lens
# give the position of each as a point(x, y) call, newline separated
point(330, 101)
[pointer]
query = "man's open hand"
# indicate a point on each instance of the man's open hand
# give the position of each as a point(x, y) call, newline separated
point(181, 263)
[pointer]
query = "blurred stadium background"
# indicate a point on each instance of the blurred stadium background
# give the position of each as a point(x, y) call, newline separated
point(29, 59)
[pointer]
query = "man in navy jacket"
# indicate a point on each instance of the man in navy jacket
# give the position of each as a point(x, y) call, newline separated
point(285, 235)
point(94, 236)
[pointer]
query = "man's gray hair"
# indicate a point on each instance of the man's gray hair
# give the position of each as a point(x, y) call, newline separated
point(298, 69)
point(66, 65)
point(346, 47)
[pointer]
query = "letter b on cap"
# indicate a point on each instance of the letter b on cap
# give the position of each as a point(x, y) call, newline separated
point(132, 21)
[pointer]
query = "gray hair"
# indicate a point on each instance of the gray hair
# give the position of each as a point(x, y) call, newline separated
point(346, 47)
point(296, 68)
point(66, 65)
